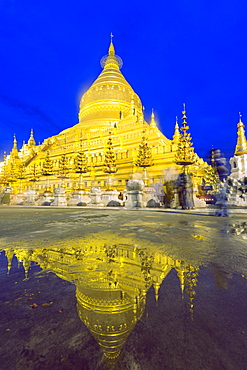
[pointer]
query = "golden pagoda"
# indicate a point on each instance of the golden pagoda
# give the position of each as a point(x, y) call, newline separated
point(241, 147)
point(239, 160)
point(110, 104)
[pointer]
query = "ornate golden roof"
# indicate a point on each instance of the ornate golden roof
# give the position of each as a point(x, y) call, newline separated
point(110, 98)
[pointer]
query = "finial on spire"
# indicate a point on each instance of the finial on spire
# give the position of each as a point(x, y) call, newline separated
point(240, 116)
point(111, 50)
point(111, 60)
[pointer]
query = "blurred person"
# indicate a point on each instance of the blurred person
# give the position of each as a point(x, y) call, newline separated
point(221, 200)
point(218, 160)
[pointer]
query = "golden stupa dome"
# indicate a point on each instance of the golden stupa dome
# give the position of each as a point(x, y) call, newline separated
point(110, 98)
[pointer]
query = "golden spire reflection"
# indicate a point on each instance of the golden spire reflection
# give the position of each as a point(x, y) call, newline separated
point(112, 281)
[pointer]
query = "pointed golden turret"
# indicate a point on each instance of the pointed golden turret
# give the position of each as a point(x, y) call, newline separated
point(111, 60)
point(14, 151)
point(14, 163)
point(153, 123)
point(241, 147)
point(185, 152)
point(31, 141)
point(176, 135)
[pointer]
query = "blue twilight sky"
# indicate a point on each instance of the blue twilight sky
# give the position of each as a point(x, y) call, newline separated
point(191, 51)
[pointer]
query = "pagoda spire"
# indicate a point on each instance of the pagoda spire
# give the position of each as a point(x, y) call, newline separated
point(15, 161)
point(14, 151)
point(31, 141)
point(111, 60)
point(153, 123)
point(241, 146)
point(111, 50)
point(176, 132)
point(185, 153)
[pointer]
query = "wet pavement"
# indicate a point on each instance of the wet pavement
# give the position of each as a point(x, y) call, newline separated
point(99, 289)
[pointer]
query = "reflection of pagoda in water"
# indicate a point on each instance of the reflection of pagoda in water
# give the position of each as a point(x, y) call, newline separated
point(111, 284)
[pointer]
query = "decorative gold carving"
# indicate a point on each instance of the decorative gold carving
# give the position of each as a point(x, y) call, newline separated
point(185, 153)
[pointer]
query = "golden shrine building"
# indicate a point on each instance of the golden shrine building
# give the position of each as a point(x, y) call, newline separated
point(110, 108)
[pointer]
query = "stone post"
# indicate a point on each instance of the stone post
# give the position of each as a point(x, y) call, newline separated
point(59, 197)
point(134, 194)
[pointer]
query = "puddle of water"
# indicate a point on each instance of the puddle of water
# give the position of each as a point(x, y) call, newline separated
point(119, 306)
